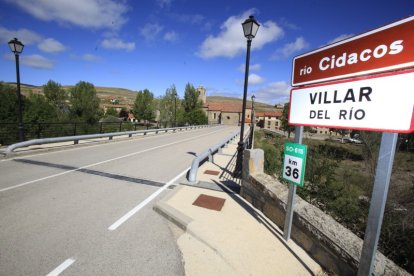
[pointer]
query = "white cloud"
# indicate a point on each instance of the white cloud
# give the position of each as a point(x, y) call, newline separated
point(255, 67)
point(51, 45)
point(164, 3)
point(290, 48)
point(339, 38)
point(171, 36)
point(255, 79)
point(88, 14)
point(26, 36)
point(275, 92)
point(231, 41)
point(91, 57)
point(35, 61)
point(151, 31)
point(116, 43)
point(252, 67)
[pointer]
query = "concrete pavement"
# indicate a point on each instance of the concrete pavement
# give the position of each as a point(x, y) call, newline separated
point(235, 240)
point(58, 207)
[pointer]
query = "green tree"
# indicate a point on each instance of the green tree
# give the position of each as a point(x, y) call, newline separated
point(84, 102)
point(285, 120)
point(111, 112)
point(8, 103)
point(56, 96)
point(169, 103)
point(144, 107)
point(38, 109)
point(194, 113)
point(191, 101)
point(196, 117)
point(272, 159)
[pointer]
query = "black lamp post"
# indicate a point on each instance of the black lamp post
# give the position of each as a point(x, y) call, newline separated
point(250, 28)
point(17, 47)
point(253, 123)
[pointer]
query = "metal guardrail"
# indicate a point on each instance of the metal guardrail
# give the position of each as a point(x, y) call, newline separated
point(9, 133)
point(77, 138)
point(192, 175)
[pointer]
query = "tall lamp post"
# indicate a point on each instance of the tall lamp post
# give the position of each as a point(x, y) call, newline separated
point(17, 47)
point(253, 123)
point(250, 28)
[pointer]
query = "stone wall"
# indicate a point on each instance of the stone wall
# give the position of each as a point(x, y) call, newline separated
point(332, 245)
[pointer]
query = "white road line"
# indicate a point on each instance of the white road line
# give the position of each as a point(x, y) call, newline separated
point(102, 162)
point(61, 267)
point(133, 211)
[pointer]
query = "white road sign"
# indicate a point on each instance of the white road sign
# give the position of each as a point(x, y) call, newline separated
point(380, 103)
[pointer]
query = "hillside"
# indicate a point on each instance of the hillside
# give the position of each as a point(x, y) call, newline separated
point(105, 94)
point(127, 97)
point(259, 107)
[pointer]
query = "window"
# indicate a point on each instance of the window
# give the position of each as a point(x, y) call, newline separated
point(228, 117)
point(269, 117)
point(214, 115)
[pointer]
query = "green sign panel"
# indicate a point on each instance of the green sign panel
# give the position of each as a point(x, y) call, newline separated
point(294, 163)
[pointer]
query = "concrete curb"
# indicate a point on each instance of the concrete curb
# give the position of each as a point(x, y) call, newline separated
point(170, 213)
point(181, 220)
point(203, 185)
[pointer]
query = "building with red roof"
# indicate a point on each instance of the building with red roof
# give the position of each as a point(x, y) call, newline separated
point(269, 120)
point(226, 113)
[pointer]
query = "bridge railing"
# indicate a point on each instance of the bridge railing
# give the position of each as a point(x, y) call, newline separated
point(9, 132)
point(192, 175)
point(77, 138)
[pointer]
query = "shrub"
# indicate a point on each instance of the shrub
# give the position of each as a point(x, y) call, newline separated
point(272, 163)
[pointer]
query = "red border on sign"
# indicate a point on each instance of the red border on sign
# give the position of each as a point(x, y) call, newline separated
point(353, 80)
point(383, 36)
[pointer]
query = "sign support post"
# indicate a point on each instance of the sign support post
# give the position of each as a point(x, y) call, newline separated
point(292, 192)
point(378, 200)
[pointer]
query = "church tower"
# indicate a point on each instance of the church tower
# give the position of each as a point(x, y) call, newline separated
point(202, 94)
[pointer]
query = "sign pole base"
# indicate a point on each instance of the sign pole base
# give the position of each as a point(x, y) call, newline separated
point(378, 200)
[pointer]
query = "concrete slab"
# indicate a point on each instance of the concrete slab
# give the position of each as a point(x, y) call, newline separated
point(239, 239)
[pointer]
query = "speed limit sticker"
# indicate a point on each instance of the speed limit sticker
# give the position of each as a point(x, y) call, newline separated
point(294, 163)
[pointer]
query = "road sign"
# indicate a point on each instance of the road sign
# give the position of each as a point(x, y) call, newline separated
point(384, 49)
point(379, 103)
point(294, 163)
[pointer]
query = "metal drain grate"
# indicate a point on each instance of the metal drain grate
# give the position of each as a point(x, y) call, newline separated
point(209, 202)
point(211, 172)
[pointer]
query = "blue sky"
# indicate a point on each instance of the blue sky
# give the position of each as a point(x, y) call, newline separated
point(156, 43)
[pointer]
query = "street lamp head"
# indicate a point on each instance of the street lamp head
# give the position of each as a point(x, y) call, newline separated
point(250, 27)
point(16, 46)
point(253, 98)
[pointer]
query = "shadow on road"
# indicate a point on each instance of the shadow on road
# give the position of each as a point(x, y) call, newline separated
point(93, 172)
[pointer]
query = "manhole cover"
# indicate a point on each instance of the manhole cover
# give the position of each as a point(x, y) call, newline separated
point(209, 202)
point(211, 172)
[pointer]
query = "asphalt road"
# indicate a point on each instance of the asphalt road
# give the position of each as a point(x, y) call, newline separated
point(88, 210)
